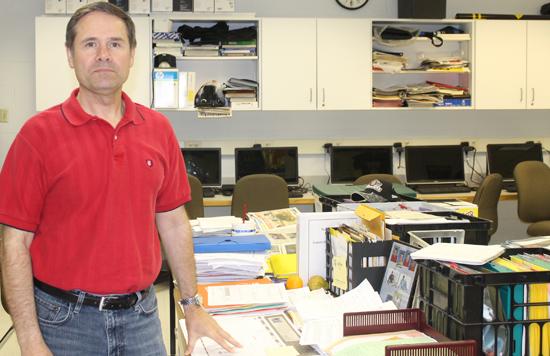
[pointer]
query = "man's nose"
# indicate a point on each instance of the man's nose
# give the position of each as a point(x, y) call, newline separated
point(103, 53)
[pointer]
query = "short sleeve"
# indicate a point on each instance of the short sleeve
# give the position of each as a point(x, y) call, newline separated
point(175, 189)
point(23, 186)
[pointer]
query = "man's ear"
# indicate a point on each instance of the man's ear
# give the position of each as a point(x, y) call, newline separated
point(132, 56)
point(70, 57)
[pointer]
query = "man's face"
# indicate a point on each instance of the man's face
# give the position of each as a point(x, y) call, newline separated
point(101, 55)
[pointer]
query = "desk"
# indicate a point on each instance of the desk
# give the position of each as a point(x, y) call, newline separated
point(222, 200)
point(469, 197)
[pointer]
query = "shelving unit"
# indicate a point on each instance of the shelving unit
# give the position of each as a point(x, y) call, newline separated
point(420, 48)
point(219, 68)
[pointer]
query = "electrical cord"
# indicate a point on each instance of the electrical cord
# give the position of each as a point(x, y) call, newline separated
point(325, 167)
point(473, 169)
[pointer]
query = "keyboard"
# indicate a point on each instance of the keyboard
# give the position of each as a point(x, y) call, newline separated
point(295, 194)
point(208, 192)
point(441, 189)
point(512, 188)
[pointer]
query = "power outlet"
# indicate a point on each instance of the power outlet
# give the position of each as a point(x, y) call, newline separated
point(3, 115)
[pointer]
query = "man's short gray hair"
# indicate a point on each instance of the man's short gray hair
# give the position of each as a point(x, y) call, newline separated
point(106, 8)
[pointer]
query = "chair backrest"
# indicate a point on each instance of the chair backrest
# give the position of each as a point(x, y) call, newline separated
point(259, 192)
point(533, 183)
point(487, 197)
point(195, 207)
point(367, 178)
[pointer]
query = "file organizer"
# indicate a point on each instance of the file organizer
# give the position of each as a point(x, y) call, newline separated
point(476, 230)
point(362, 262)
point(406, 319)
point(453, 303)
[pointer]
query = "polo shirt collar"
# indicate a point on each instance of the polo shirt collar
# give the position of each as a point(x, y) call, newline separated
point(74, 114)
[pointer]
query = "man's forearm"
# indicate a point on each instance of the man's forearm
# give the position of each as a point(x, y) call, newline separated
point(176, 237)
point(18, 286)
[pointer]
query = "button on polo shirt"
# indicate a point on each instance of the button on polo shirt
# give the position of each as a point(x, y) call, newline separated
point(90, 191)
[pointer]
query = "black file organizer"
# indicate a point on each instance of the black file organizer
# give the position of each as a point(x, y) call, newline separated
point(453, 302)
point(357, 264)
point(476, 230)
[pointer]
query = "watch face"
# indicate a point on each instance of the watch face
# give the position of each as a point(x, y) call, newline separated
point(352, 4)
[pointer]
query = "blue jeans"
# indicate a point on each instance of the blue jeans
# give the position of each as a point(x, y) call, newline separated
point(82, 330)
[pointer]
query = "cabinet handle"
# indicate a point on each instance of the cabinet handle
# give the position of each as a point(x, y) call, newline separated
point(532, 96)
point(310, 95)
point(323, 96)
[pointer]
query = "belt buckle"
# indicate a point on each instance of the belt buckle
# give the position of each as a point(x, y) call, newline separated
point(102, 303)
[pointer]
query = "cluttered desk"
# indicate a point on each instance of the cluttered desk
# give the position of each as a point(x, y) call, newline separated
point(222, 200)
point(370, 277)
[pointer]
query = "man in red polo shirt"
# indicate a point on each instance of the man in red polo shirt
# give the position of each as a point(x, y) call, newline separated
point(85, 191)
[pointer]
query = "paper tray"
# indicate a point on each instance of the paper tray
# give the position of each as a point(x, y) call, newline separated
point(361, 323)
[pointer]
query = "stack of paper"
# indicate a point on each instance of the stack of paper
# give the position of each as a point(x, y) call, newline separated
point(222, 267)
point(214, 226)
point(467, 254)
point(275, 220)
point(258, 296)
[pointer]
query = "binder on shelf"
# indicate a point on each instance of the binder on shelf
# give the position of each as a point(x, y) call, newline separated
point(165, 88)
point(227, 243)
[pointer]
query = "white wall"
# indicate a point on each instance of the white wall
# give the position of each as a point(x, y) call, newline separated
point(308, 130)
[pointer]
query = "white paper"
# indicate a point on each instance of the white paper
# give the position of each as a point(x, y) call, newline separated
point(203, 6)
point(464, 253)
point(247, 294)
point(139, 6)
point(225, 5)
point(161, 5)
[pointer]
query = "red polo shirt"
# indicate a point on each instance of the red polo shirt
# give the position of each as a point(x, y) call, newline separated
point(90, 192)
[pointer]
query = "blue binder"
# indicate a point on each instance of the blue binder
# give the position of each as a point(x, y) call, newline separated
point(228, 243)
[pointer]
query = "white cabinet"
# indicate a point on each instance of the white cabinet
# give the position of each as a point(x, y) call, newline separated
point(310, 64)
point(55, 79)
point(538, 59)
point(500, 64)
point(343, 64)
point(289, 68)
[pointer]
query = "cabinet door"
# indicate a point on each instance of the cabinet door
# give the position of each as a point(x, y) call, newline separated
point(288, 64)
point(344, 52)
point(538, 58)
point(500, 64)
point(55, 79)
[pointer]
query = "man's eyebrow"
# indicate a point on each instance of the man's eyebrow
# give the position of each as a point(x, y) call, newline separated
point(95, 39)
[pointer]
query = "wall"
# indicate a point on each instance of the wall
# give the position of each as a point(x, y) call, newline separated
point(307, 129)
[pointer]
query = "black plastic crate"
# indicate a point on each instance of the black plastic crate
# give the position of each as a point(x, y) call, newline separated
point(359, 266)
point(453, 303)
point(476, 230)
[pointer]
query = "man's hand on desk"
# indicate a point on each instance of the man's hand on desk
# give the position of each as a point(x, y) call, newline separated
point(199, 323)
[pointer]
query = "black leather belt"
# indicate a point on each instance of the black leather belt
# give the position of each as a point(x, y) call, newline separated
point(113, 302)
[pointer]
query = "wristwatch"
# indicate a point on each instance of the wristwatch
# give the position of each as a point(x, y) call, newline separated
point(195, 300)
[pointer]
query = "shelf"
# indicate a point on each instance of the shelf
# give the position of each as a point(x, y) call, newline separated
point(424, 72)
point(241, 108)
point(426, 108)
point(218, 58)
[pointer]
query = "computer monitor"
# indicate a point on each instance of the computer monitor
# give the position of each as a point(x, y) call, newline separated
point(347, 163)
point(434, 164)
point(502, 158)
point(205, 164)
point(282, 161)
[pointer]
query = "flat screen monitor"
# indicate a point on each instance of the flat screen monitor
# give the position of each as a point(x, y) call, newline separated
point(434, 164)
point(282, 161)
point(347, 163)
point(205, 164)
point(503, 158)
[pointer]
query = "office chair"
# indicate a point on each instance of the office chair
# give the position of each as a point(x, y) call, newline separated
point(367, 178)
point(533, 183)
point(195, 207)
point(259, 192)
point(486, 199)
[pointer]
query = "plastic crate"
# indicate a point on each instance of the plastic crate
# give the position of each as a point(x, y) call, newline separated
point(476, 230)
point(424, 238)
point(406, 319)
point(357, 264)
point(453, 303)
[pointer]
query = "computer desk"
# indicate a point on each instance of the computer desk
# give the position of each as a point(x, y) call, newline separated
point(222, 200)
point(504, 195)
